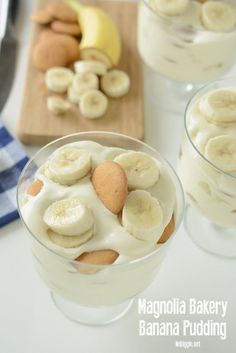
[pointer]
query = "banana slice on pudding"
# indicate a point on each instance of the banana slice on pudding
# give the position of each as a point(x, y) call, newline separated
point(142, 215)
point(141, 170)
point(172, 7)
point(218, 16)
point(221, 151)
point(68, 165)
point(70, 222)
point(219, 106)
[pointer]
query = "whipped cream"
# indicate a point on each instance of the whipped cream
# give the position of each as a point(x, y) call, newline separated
point(208, 185)
point(180, 47)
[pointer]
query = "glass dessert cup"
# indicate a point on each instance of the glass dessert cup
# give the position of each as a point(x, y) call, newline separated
point(210, 217)
point(86, 293)
point(179, 59)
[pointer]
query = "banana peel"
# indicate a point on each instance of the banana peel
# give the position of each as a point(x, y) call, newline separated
point(100, 36)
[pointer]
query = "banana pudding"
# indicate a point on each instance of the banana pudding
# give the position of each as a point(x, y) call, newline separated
point(77, 198)
point(207, 163)
point(187, 40)
point(101, 218)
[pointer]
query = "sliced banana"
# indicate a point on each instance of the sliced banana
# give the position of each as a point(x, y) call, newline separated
point(221, 151)
point(70, 241)
point(96, 54)
point(93, 104)
point(96, 67)
point(142, 216)
point(73, 95)
point(172, 7)
point(85, 81)
point(115, 83)
point(219, 106)
point(57, 105)
point(141, 170)
point(69, 165)
point(58, 79)
point(69, 217)
point(218, 16)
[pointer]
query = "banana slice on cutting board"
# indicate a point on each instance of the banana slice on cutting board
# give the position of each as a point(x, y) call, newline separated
point(93, 104)
point(219, 106)
point(58, 79)
point(218, 16)
point(141, 170)
point(172, 7)
point(221, 151)
point(142, 216)
point(69, 217)
point(85, 81)
point(73, 95)
point(70, 241)
point(115, 83)
point(57, 105)
point(68, 165)
point(96, 67)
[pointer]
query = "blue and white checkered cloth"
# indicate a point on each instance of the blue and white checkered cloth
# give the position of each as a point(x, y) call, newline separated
point(12, 161)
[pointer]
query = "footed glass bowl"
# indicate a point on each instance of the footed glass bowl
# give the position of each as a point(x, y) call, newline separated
point(94, 294)
point(210, 217)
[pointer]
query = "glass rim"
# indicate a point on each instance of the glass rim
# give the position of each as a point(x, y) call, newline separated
point(170, 20)
point(89, 265)
point(191, 101)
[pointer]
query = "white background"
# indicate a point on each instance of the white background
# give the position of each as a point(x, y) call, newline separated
point(30, 323)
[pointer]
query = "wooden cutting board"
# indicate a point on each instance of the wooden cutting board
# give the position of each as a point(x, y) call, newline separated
point(124, 115)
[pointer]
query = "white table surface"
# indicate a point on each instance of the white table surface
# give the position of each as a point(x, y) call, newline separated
point(29, 321)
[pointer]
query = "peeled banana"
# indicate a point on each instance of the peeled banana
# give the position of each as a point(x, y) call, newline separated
point(100, 36)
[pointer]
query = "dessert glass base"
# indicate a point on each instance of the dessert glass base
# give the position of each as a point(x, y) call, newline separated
point(160, 91)
point(208, 236)
point(89, 315)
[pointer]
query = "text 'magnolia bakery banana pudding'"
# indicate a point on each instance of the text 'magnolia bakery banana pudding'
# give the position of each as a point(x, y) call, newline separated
point(188, 40)
point(207, 165)
point(91, 205)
